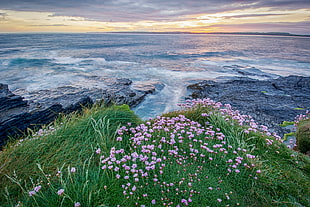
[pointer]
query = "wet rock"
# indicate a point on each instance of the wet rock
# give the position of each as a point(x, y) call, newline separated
point(23, 109)
point(269, 102)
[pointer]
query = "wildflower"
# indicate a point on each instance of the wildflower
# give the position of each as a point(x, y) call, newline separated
point(98, 151)
point(134, 188)
point(73, 170)
point(184, 201)
point(58, 173)
point(60, 192)
point(77, 204)
point(37, 188)
point(219, 200)
point(31, 193)
point(258, 171)
point(153, 201)
point(119, 139)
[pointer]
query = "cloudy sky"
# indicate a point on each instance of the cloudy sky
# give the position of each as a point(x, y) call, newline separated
point(155, 15)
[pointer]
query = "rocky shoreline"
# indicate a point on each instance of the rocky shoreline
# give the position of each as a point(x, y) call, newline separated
point(269, 102)
point(22, 109)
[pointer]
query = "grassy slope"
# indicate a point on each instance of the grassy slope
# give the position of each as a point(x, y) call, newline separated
point(195, 163)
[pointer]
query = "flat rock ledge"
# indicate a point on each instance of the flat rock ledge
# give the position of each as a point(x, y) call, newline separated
point(22, 109)
point(269, 102)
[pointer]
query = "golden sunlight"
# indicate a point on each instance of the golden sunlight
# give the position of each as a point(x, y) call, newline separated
point(18, 21)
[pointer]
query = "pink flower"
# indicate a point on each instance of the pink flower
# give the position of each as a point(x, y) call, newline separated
point(60, 192)
point(184, 201)
point(73, 170)
point(98, 151)
point(37, 188)
point(31, 193)
point(134, 188)
point(258, 171)
point(77, 204)
point(119, 139)
point(153, 201)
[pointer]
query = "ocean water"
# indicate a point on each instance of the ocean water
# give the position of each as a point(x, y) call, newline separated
point(44, 61)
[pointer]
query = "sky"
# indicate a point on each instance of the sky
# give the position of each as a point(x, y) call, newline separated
point(292, 16)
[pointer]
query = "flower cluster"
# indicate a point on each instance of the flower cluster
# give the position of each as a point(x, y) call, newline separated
point(161, 155)
point(35, 190)
point(37, 135)
point(302, 117)
point(230, 115)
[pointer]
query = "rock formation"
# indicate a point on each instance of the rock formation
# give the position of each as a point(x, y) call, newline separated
point(269, 102)
point(23, 109)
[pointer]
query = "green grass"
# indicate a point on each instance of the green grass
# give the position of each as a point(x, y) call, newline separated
point(198, 156)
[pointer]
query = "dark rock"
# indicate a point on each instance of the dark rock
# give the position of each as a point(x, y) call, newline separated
point(25, 109)
point(269, 102)
point(10, 103)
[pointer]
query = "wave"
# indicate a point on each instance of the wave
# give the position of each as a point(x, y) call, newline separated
point(176, 55)
point(28, 62)
point(71, 60)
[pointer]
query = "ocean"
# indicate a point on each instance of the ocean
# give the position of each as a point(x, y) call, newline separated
point(45, 61)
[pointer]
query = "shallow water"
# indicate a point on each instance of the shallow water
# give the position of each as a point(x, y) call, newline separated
point(44, 61)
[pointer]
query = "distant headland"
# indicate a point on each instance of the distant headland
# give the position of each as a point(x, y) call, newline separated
point(222, 33)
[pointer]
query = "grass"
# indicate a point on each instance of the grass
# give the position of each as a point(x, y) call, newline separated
point(203, 155)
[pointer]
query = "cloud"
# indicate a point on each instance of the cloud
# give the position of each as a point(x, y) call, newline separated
point(154, 15)
point(137, 10)
point(3, 16)
point(293, 27)
point(50, 25)
point(253, 15)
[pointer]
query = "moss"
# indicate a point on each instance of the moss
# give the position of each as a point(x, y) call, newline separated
point(287, 123)
point(303, 136)
point(287, 135)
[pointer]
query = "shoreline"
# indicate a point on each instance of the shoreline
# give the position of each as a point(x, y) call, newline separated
point(269, 102)
point(20, 110)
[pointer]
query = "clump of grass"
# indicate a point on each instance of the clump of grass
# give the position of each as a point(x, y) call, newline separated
point(303, 133)
point(203, 155)
point(72, 143)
